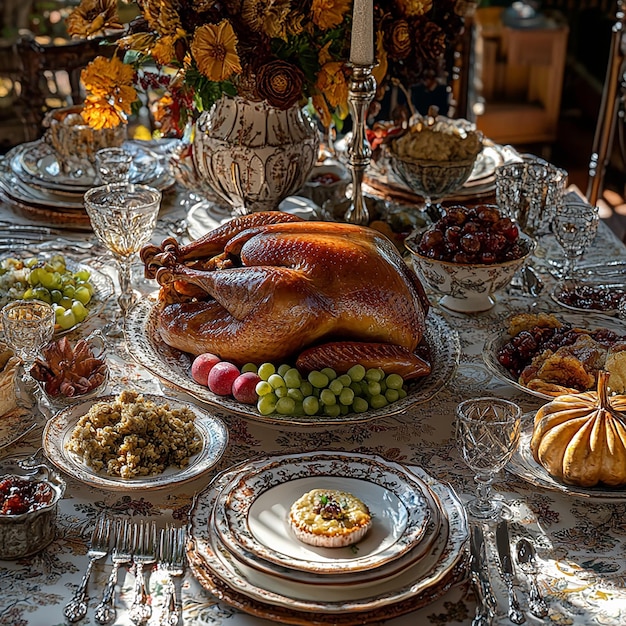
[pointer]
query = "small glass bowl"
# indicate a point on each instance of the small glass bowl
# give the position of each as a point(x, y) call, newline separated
point(27, 533)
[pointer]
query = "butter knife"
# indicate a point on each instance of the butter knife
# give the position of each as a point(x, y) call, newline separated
point(503, 543)
point(485, 608)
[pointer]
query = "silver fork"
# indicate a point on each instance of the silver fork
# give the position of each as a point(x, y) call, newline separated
point(144, 553)
point(172, 561)
point(105, 611)
point(76, 608)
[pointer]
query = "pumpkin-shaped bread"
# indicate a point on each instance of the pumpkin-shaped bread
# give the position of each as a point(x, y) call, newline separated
point(580, 439)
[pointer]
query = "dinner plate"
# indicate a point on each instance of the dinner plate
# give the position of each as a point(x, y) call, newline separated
point(496, 341)
point(215, 568)
point(365, 577)
point(102, 284)
point(524, 466)
point(58, 432)
point(37, 163)
point(557, 295)
point(173, 367)
point(252, 514)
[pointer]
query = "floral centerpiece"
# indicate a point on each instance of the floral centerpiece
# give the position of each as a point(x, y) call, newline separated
point(284, 52)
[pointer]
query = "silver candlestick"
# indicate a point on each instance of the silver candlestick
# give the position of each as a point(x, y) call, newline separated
point(360, 96)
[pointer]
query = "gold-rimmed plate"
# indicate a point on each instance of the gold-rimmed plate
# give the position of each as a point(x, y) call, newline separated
point(58, 431)
point(173, 367)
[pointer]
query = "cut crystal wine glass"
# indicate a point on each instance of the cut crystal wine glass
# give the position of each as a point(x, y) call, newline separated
point(123, 217)
point(574, 225)
point(113, 165)
point(28, 325)
point(487, 433)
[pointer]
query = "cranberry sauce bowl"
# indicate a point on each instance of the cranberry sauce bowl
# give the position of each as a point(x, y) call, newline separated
point(29, 496)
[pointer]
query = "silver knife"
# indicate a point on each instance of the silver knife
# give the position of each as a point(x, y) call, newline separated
point(485, 608)
point(503, 544)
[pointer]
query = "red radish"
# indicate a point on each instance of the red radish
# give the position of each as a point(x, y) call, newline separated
point(201, 367)
point(221, 378)
point(244, 388)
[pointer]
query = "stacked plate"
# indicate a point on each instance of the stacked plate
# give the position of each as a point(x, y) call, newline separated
point(243, 550)
point(31, 177)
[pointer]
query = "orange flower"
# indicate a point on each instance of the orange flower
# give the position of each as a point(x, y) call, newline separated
point(100, 113)
point(266, 16)
point(91, 17)
point(328, 13)
point(414, 8)
point(214, 47)
point(331, 81)
point(102, 76)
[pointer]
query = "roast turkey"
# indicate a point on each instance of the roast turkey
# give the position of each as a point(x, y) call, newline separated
point(272, 287)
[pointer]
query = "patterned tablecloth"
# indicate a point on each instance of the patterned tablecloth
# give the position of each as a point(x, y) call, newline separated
point(581, 541)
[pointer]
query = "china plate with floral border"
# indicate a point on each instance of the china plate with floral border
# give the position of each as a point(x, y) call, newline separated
point(494, 343)
point(59, 428)
point(102, 284)
point(173, 367)
point(298, 603)
point(251, 515)
point(524, 466)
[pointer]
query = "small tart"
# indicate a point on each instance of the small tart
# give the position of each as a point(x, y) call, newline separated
point(329, 518)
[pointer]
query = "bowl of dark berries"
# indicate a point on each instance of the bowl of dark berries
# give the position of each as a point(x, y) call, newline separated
point(468, 255)
point(29, 494)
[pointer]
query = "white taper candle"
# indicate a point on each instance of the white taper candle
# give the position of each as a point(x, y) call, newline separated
point(362, 42)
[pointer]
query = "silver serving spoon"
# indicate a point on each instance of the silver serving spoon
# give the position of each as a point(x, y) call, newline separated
point(527, 561)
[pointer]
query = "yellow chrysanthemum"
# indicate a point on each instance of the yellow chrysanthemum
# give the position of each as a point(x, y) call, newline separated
point(332, 83)
point(328, 13)
point(214, 47)
point(162, 16)
point(266, 16)
point(91, 17)
point(99, 113)
point(102, 76)
point(163, 51)
point(414, 8)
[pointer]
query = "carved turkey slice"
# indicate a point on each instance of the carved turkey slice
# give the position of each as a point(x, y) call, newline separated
point(268, 286)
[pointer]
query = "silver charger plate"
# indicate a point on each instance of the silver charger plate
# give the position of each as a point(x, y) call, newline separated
point(59, 428)
point(37, 163)
point(214, 566)
point(173, 367)
point(524, 466)
point(252, 514)
point(495, 342)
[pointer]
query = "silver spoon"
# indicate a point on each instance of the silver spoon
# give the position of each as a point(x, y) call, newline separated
point(527, 561)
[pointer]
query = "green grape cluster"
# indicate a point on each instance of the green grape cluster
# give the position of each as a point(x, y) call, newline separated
point(284, 390)
point(68, 292)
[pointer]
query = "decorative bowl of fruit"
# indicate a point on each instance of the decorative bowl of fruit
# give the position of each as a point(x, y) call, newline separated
point(468, 255)
point(29, 496)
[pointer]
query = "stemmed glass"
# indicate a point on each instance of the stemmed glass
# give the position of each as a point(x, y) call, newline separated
point(113, 165)
point(123, 217)
point(28, 325)
point(487, 433)
point(574, 226)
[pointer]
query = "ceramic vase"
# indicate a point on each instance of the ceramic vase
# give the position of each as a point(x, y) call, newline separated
point(253, 155)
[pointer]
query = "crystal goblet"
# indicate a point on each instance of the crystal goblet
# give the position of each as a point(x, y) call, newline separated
point(574, 226)
point(487, 434)
point(113, 165)
point(123, 217)
point(28, 325)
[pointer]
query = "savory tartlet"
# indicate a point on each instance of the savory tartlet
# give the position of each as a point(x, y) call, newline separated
point(329, 518)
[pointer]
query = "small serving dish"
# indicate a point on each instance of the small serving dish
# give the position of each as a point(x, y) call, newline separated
point(590, 296)
point(327, 183)
point(29, 496)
